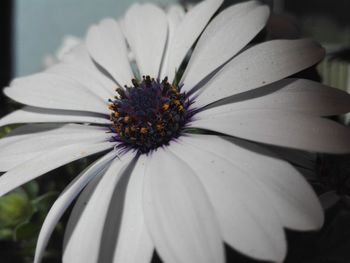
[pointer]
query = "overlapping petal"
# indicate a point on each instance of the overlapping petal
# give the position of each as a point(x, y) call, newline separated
point(145, 27)
point(286, 190)
point(24, 148)
point(224, 37)
point(66, 198)
point(107, 46)
point(258, 66)
point(30, 114)
point(45, 162)
point(48, 90)
point(88, 78)
point(174, 16)
point(188, 30)
point(247, 220)
point(178, 213)
point(282, 128)
point(134, 243)
point(299, 95)
point(93, 219)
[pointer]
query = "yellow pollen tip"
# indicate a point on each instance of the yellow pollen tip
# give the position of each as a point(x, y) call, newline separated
point(116, 114)
point(160, 127)
point(126, 118)
point(111, 106)
point(165, 106)
point(143, 130)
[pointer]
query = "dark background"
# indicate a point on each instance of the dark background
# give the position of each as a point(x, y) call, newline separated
point(5, 48)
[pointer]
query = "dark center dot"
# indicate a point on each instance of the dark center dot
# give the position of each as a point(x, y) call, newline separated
point(148, 114)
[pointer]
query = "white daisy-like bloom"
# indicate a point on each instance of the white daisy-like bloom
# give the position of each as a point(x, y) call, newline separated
point(186, 168)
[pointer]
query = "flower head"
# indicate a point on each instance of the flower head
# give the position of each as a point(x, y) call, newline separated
point(188, 166)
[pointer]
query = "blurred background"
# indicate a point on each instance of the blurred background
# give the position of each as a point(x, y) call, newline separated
point(31, 32)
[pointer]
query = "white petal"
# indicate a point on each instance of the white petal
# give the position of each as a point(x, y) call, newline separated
point(134, 244)
point(178, 213)
point(65, 199)
point(26, 131)
point(46, 162)
point(80, 205)
point(145, 27)
point(19, 134)
point(30, 114)
point(260, 65)
point(85, 242)
point(287, 191)
point(107, 46)
point(299, 95)
point(88, 78)
point(27, 148)
point(281, 128)
point(224, 37)
point(188, 31)
point(248, 222)
point(80, 57)
point(174, 16)
point(51, 91)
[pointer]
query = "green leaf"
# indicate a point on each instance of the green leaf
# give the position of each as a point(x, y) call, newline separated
point(26, 231)
point(31, 189)
point(45, 201)
point(6, 233)
point(4, 130)
point(14, 209)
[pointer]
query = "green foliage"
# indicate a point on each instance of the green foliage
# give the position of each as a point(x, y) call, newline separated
point(15, 208)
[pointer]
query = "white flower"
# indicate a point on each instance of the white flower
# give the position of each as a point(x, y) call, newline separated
point(161, 186)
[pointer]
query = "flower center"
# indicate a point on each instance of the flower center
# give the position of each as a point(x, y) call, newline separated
point(149, 114)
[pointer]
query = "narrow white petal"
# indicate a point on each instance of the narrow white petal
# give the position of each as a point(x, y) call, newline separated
point(80, 205)
point(46, 162)
point(260, 65)
point(107, 46)
point(174, 16)
point(145, 27)
point(51, 91)
point(248, 222)
point(188, 31)
point(281, 128)
point(88, 78)
point(65, 199)
point(25, 131)
point(134, 244)
point(85, 242)
point(62, 135)
point(25, 149)
point(80, 57)
point(178, 213)
point(30, 114)
point(224, 37)
point(299, 95)
point(286, 190)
